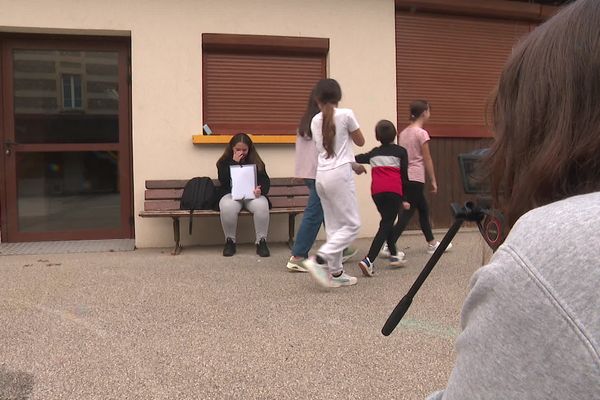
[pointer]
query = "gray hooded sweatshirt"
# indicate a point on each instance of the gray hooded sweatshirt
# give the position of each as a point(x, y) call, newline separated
point(531, 321)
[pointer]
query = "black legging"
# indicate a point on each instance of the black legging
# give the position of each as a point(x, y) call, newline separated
point(415, 196)
point(387, 204)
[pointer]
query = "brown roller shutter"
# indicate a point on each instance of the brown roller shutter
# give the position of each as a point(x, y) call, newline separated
point(454, 62)
point(258, 93)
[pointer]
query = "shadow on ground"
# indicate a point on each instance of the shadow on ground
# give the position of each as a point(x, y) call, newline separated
point(15, 385)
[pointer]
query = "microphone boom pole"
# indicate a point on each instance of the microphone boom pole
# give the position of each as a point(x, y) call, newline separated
point(469, 212)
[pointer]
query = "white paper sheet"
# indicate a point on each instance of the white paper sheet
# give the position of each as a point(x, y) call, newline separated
point(243, 181)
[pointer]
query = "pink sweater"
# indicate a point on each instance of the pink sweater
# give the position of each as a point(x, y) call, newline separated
point(306, 158)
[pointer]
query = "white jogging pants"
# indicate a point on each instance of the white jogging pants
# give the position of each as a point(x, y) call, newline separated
point(337, 192)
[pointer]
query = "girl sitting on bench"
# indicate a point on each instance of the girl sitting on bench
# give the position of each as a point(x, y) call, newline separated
point(241, 151)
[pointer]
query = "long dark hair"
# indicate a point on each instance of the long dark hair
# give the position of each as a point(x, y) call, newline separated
point(312, 109)
point(546, 114)
point(251, 158)
point(328, 94)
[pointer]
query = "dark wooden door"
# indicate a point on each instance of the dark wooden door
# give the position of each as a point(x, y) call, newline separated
point(65, 139)
point(454, 62)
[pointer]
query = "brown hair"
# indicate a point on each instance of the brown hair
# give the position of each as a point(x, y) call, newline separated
point(417, 108)
point(328, 93)
point(251, 158)
point(385, 131)
point(312, 109)
point(546, 114)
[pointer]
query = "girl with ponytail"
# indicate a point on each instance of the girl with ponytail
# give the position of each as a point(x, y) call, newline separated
point(334, 130)
point(306, 168)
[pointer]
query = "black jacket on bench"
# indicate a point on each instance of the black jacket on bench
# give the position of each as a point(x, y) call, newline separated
point(262, 179)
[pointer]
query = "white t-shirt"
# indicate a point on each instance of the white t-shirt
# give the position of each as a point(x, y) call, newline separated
point(345, 122)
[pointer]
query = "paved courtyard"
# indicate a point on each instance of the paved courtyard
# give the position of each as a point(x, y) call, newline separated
point(147, 325)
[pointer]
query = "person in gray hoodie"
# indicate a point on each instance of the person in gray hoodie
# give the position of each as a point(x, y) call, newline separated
point(530, 326)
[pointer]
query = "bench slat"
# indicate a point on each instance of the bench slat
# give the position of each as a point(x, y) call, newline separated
point(298, 201)
point(161, 205)
point(288, 191)
point(277, 202)
point(167, 184)
point(180, 183)
point(162, 194)
point(277, 191)
point(210, 213)
point(287, 182)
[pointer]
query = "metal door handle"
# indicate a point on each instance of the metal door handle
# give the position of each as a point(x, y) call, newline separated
point(8, 147)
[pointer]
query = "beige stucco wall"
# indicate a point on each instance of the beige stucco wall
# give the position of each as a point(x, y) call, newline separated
point(167, 70)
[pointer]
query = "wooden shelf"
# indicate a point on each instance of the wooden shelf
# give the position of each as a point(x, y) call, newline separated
point(223, 139)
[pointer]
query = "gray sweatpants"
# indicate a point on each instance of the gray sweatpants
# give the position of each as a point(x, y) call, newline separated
point(230, 210)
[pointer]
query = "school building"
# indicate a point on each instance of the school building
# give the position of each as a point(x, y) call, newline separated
point(96, 97)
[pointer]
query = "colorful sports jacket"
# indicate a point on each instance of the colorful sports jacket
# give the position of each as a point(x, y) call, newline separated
point(389, 168)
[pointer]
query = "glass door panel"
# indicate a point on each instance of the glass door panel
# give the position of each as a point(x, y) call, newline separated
point(66, 140)
point(66, 96)
point(60, 191)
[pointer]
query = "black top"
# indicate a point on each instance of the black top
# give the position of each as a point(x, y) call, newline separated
point(262, 178)
point(389, 168)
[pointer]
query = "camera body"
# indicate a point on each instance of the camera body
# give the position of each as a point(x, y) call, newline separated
point(492, 225)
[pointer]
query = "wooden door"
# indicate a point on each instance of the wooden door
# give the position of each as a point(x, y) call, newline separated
point(65, 139)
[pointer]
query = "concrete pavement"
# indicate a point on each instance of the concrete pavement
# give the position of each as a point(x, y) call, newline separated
point(147, 325)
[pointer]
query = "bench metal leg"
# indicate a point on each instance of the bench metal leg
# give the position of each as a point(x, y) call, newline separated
point(291, 229)
point(176, 236)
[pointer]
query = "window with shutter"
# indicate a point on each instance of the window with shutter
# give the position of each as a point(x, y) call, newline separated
point(259, 84)
point(454, 62)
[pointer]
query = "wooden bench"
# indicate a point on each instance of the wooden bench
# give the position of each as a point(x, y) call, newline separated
point(161, 199)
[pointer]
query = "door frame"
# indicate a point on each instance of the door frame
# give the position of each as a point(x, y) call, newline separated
point(8, 196)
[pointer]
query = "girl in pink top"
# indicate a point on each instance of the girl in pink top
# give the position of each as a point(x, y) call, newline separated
point(415, 140)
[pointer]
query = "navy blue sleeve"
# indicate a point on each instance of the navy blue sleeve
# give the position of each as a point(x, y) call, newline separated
point(364, 158)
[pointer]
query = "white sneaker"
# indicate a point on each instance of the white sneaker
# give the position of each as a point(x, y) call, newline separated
point(343, 280)
point(385, 252)
point(318, 271)
point(399, 260)
point(295, 264)
point(431, 248)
